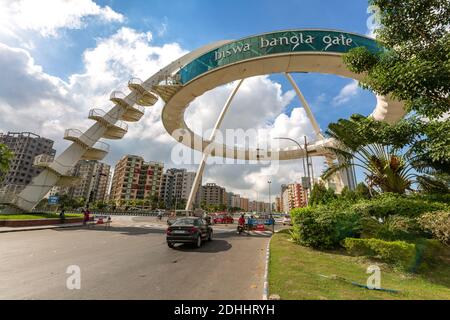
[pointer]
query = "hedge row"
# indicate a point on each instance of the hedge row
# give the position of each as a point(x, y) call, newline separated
point(387, 217)
point(399, 253)
point(388, 204)
point(324, 229)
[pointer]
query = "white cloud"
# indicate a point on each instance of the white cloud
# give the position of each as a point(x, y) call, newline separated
point(348, 92)
point(289, 172)
point(295, 127)
point(251, 180)
point(163, 27)
point(47, 17)
point(126, 53)
point(28, 96)
point(32, 100)
point(258, 101)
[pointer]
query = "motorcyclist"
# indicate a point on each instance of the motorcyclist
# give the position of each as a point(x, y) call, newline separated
point(241, 223)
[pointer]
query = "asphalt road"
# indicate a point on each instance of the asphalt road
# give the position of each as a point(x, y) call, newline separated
point(129, 263)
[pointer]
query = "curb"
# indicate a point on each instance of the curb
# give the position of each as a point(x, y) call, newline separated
point(266, 273)
point(40, 228)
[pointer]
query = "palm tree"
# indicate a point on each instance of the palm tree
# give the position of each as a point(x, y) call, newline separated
point(385, 167)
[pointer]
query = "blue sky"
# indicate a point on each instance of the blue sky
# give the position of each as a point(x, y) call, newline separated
point(71, 54)
point(193, 23)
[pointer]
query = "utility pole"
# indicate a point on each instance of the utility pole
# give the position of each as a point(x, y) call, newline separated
point(270, 202)
point(308, 164)
point(305, 166)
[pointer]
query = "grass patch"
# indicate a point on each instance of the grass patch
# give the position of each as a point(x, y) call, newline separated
point(295, 274)
point(37, 216)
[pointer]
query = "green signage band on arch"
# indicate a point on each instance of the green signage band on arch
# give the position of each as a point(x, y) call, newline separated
point(284, 42)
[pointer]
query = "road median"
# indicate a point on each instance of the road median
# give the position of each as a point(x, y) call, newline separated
point(301, 273)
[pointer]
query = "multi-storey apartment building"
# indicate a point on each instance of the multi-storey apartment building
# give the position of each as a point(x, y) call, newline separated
point(230, 199)
point(25, 146)
point(212, 194)
point(244, 204)
point(94, 179)
point(297, 197)
point(136, 179)
point(278, 204)
point(235, 201)
point(176, 185)
point(292, 196)
point(259, 207)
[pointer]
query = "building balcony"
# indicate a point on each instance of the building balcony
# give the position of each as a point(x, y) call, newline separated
point(145, 97)
point(133, 112)
point(46, 161)
point(166, 92)
point(78, 137)
point(115, 129)
point(97, 151)
point(43, 160)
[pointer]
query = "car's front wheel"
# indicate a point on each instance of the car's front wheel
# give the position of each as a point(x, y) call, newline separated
point(171, 245)
point(210, 236)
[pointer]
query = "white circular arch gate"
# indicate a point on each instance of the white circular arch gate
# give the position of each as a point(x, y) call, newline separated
point(178, 84)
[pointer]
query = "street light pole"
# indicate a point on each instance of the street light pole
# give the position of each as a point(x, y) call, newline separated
point(305, 167)
point(270, 202)
point(299, 145)
point(307, 162)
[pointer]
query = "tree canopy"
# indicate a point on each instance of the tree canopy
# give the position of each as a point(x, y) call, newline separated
point(415, 67)
point(320, 194)
point(388, 153)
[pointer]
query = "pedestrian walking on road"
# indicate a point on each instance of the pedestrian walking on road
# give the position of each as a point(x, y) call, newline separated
point(86, 216)
point(272, 222)
point(250, 223)
point(62, 216)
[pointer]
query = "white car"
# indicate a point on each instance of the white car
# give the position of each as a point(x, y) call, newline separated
point(286, 220)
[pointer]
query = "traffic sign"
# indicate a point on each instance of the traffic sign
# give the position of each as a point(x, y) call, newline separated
point(53, 200)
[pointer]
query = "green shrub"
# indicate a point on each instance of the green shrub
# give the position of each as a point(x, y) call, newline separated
point(323, 228)
point(393, 228)
point(321, 195)
point(388, 204)
point(399, 253)
point(361, 192)
point(438, 223)
point(388, 217)
point(295, 213)
point(431, 254)
point(444, 198)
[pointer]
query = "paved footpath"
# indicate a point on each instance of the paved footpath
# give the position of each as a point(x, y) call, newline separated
point(130, 263)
